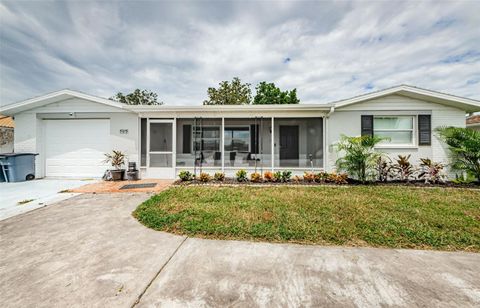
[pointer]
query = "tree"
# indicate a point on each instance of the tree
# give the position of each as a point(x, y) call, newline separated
point(137, 97)
point(464, 146)
point(230, 93)
point(268, 93)
point(360, 159)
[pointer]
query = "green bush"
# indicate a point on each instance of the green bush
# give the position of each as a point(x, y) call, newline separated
point(185, 176)
point(219, 176)
point(286, 175)
point(242, 176)
point(277, 176)
point(464, 146)
point(321, 177)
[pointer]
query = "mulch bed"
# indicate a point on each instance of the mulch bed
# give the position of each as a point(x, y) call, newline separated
point(232, 181)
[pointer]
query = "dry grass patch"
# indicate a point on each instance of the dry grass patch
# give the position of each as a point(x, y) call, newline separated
point(399, 217)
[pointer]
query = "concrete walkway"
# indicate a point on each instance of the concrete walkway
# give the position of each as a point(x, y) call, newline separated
point(89, 251)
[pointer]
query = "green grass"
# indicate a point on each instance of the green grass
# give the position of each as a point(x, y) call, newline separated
point(400, 217)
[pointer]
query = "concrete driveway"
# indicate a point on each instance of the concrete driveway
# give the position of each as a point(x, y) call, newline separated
point(41, 193)
point(89, 251)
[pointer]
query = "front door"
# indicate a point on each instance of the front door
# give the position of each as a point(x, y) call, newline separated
point(161, 143)
point(289, 146)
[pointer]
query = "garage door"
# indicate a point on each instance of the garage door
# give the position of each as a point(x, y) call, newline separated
point(75, 148)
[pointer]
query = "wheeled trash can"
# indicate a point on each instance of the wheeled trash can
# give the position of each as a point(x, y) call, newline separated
point(17, 167)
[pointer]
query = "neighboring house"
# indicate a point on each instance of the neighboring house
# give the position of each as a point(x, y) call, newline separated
point(71, 131)
point(473, 122)
point(6, 134)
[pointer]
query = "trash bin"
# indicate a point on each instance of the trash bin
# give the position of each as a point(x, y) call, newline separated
point(17, 167)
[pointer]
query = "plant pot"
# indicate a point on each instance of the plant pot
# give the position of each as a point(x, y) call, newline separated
point(117, 175)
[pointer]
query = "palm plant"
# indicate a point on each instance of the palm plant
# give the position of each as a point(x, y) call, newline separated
point(464, 146)
point(360, 159)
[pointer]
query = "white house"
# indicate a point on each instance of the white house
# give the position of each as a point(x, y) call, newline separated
point(71, 131)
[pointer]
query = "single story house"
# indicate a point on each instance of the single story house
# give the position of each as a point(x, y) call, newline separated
point(6, 134)
point(71, 131)
point(473, 122)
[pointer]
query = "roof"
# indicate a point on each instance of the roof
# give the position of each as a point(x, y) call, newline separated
point(53, 97)
point(6, 121)
point(467, 104)
point(473, 120)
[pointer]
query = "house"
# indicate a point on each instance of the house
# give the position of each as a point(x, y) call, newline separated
point(473, 122)
point(6, 134)
point(72, 130)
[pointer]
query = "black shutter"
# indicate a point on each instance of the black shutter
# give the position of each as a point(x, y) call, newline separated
point(187, 138)
point(254, 138)
point(424, 129)
point(367, 125)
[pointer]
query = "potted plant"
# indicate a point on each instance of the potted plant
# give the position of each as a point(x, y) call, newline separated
point(117, 160)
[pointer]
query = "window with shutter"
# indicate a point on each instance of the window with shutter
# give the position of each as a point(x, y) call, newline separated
point(424, 129)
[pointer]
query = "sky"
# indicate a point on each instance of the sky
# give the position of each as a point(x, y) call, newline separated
point(326, 50)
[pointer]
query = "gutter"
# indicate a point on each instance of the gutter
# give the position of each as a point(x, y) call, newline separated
point(332, 110)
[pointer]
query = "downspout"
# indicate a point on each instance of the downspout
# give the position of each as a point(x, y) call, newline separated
point(326, 147)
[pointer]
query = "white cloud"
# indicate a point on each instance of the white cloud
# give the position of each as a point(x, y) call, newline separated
point(179, 50)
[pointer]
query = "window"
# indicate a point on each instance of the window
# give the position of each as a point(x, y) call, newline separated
point(237, 139)
point(206, 138)
point(398, 129)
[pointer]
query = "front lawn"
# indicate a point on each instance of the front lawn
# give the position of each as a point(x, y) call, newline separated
point(424, 218)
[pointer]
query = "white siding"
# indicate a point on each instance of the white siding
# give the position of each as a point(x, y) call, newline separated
point(346, 121)
point(75, 105)
point(28, 136)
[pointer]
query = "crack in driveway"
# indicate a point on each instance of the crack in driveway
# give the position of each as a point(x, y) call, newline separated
point(158, 273)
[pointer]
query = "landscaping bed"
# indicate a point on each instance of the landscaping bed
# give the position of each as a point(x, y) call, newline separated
point(349, 182)
point(378, 216)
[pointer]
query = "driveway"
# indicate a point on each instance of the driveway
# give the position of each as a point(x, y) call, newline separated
point(41, 193)
point(89, 251)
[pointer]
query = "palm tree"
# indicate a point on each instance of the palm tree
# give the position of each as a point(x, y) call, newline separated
point(464, 146)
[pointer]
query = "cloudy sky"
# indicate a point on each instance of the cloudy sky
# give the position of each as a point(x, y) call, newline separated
point(327, 50)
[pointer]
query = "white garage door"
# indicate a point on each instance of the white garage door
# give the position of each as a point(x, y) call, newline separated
point(75, 148)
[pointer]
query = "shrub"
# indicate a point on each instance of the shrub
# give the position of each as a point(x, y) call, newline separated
point(185, 176)
point(116, 159)
point(297, 179)
point(464, 146)
point(219, 176)
point(340, 178)
point(204, 177)
point(268, 176)
point(241, 175)
point(309, 177)
point(403, 168)
point(277, 176)
point(256, 177)
point(286, 175)
point(385, 168)
point(321, 177)
point(360, 157)
point(432, 172)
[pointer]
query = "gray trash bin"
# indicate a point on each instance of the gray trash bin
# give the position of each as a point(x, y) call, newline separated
point(17, 167)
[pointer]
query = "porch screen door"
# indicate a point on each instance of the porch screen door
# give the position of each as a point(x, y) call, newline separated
point(160, 149)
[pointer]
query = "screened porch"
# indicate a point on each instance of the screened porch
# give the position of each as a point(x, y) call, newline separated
point(230, 144)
